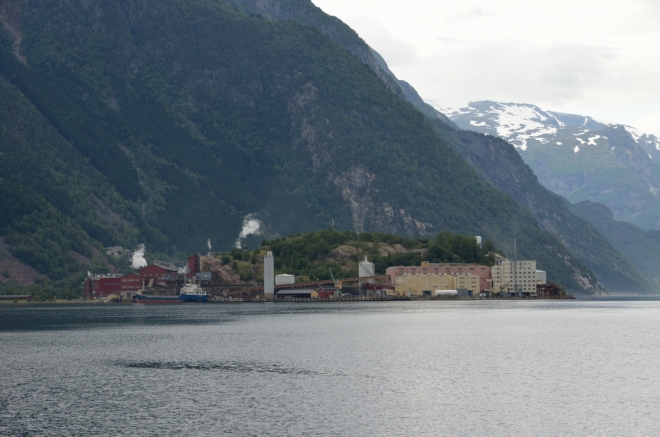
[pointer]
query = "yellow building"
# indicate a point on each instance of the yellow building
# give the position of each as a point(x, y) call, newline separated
point(420, 284)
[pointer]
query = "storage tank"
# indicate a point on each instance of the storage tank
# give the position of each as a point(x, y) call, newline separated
point(366, 269)
point(446, 293)
point(285, 279)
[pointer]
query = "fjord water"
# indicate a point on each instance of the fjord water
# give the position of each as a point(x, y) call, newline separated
point(371, 369)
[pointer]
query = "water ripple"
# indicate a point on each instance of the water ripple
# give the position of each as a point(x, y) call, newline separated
point(226, 366)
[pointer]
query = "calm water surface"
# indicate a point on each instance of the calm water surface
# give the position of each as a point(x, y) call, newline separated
point(371, 369)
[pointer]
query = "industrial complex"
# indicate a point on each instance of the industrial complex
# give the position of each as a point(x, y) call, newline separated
point(505, 279)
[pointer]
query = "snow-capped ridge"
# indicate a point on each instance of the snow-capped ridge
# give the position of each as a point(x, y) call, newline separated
point(520, 122)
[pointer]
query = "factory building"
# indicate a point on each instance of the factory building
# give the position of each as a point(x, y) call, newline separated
point(285, 279)
point(102, 286)
point(483, 272)
point(425, 284)
point(507, 275)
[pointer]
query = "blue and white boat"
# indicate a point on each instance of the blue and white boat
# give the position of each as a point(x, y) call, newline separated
point(189, 293)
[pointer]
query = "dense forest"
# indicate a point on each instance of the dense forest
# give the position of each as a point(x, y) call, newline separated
point(314, 255)
point(167, 122)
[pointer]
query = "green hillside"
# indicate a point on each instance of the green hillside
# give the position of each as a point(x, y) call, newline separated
point(168, 122)
point(640, 246)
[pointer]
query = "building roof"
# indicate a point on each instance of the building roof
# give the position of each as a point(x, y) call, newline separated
point(294, 291)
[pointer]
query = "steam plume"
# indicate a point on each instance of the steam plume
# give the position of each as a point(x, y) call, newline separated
point(137, 260)
point(208, 243)
point(251, 226)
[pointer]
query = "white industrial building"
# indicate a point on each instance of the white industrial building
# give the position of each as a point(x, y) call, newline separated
point(510, 277)
point(285, 279)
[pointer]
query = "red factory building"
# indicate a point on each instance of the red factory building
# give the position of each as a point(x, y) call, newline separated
point(103, 286)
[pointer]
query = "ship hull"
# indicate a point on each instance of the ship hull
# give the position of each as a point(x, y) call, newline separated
point(170, 299)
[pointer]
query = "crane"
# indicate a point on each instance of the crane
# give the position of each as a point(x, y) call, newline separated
point(334, 281)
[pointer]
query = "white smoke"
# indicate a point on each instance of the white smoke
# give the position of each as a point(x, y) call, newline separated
point(251, 226)
point(137, 260)
point(208, 243)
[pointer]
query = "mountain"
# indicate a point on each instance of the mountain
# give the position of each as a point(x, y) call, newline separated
point(168, 122)
point(500, 164)
point(610, 267)
point(306, 13)
point(641, 247)
point(578, 157)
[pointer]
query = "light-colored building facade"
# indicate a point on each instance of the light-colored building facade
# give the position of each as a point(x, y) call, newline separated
point(420, 284)
point(524, 275)
point(285, 279)
point(483, 272)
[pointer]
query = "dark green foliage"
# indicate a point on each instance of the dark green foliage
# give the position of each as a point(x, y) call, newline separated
point(38, 234)
point(44, 292)
point(310, 255)
point(74, 125)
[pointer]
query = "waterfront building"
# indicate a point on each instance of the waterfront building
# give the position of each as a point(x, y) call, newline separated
point(483, 272)
point(505, 277)
point(425, 284)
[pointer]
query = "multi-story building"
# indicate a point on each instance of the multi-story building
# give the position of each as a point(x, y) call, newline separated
point(506, 279)
point(483, 272)
point(420, 284)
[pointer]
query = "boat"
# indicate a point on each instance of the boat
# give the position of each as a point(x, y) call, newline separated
point(189, 293)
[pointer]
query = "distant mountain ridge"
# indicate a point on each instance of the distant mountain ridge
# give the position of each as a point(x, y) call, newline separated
point(579, 157)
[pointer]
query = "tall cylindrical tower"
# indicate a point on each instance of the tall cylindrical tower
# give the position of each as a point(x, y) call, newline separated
point(269, 276)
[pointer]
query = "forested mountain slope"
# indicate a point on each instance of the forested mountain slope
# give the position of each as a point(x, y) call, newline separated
point(305, 12)
point(177, 119)
point(641, 247)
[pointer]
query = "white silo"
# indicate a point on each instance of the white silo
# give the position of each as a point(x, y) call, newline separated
point(366, 269)
point(269, 276)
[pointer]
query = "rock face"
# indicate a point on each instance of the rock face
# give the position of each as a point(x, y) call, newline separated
point(577, 156)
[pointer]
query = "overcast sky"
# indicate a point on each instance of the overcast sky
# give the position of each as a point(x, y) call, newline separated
point(589, 57)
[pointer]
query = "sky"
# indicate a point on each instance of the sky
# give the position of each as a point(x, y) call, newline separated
point(590, 57)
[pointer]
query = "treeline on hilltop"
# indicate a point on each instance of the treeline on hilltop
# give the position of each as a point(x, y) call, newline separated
point(310, 256)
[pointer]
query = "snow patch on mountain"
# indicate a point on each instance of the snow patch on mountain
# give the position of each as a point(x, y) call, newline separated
point(592, 140)
point(519, 122)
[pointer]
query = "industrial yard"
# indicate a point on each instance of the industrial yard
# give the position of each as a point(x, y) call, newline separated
point(259, 276)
